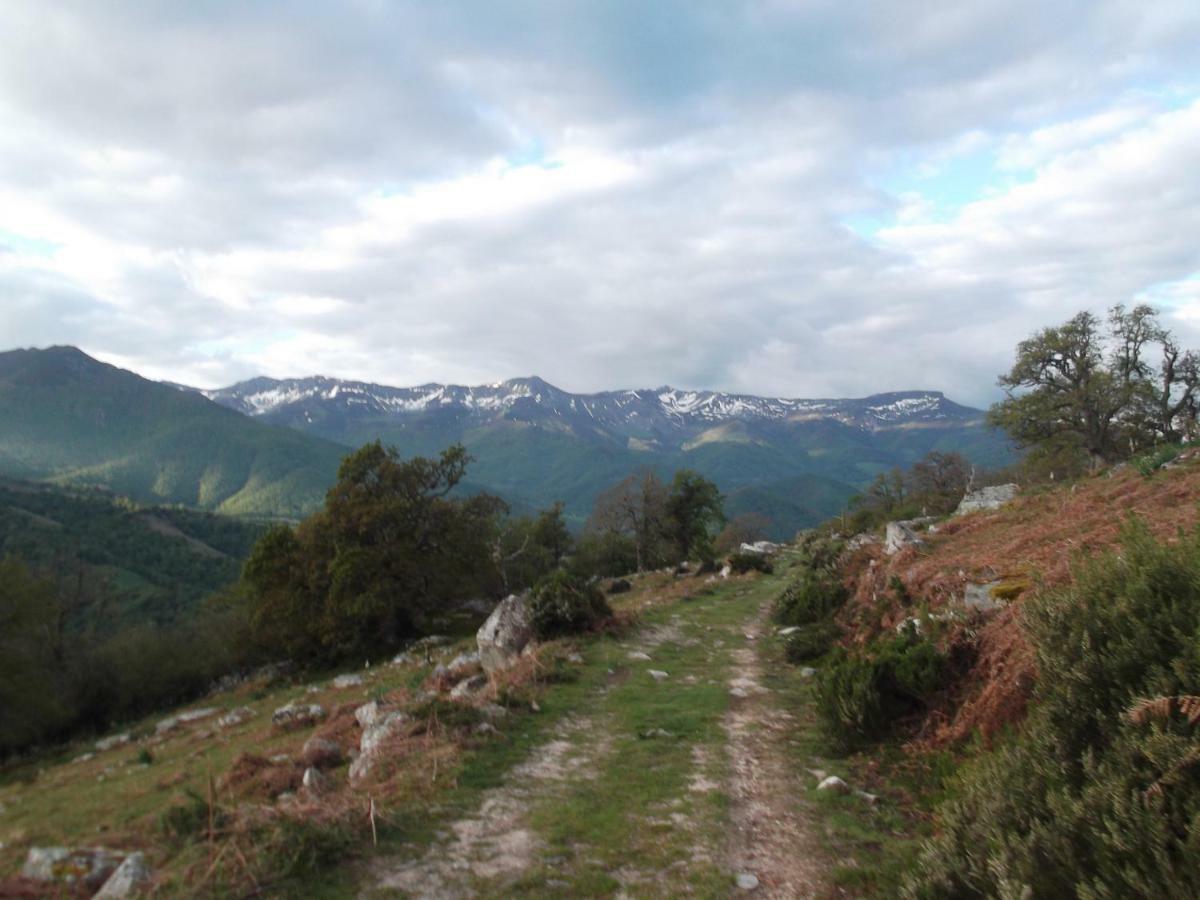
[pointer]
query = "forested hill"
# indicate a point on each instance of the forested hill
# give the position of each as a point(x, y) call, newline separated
point(118, 564)
point(67, 418)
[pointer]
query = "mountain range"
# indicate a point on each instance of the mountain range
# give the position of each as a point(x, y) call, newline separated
point(270, 447)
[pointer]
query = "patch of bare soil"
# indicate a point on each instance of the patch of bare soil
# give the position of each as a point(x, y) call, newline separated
point(771, 839)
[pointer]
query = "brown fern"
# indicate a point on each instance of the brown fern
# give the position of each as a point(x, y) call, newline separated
point(1160, 709)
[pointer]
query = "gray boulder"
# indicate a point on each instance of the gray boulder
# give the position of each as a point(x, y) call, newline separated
point(505, 633)
point(91, 867)
point(321, 753)
point(297, 715)
point(762, 548)
point(469, 686)
point(384, 727)
point(979, 596)
point(901, 535)
point(987, 498)
point(130, 878)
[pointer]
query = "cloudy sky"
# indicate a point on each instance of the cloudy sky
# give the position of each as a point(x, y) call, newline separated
point(791, 198)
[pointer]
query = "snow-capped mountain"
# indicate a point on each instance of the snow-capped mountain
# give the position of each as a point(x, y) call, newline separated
point(659, 414)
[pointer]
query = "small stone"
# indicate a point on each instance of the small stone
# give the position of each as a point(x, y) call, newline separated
point(316, 782)
point(347, 681)
point(784, 632)
point(747, 881)
point(639, 656)
point(575, 658)
point(468, 687)
point(807, 672)
point(235, 717)
point(485, 728)
point(655, 733)
point(835, 784)
point(738, 692)
point(533, 705)
point(297, 715)
point(658, 674)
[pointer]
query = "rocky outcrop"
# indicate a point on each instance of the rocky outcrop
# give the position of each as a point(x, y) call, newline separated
point(505, 633)
point(90, 866)
point(183, 718)
point(379, 725)
point(761, 548)
point(987, 498)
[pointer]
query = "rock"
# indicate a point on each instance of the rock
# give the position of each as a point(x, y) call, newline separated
point(913, 623)
point(619, 586)
point(371, 745)
point(791, 629)
point(655, 733)
point(505, 633)
point(835, 784)
point(870, 798)
point(979, 596)
point(347, 681)
point(747, 881)
point(738, 692)
point(298, 715)
point(468, 687)
point(463, 661)
point(83, 757)
point(235, 717)
point(658, 674)
point(639, 656)
point(115, 740)
point(807, 672)
point(130, 877)
point(761, 548)
point(402, 659)
point(321, 753)
point(91, 867)
point(901, 535)
point(987, 498)
point(866, 539)
point(486, 728)
point(316, 782)
point(183, 718)
point(575, 658)
point(366, 714)
point(726, 570)
point(492, 712)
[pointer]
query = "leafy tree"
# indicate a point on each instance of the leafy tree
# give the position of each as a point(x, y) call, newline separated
point(939, 481)
point(693, 510)
point(390, 549)
point(1093, 390)
point(528, 549)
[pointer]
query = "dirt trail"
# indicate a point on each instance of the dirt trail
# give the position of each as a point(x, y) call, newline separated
point(496, 841)
point(771, 839)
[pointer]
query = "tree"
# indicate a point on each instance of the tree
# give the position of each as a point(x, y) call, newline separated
point(1078, 387)
point(939, 480)
point(390, 549)
point(527, 549)
point(693, 509)
point(635, 507)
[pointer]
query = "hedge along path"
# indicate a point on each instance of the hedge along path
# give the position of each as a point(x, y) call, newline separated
point(634, 794)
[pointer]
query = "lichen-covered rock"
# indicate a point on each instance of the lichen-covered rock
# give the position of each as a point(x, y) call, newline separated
point(384, 727)
point(183, 718)
point(90, 866)
point(992, 497)
point(505, 633)
point(901, 535)
point(980, 597)
point(297, 715)
point(130, 878)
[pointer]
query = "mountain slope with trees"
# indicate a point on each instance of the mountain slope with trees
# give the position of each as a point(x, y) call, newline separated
point(67, 418)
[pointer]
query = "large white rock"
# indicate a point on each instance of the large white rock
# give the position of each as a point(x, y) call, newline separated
point(505, 633)
point(987, 498)
point(130, 878)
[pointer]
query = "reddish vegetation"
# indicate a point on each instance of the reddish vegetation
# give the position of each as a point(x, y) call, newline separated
point(1036, 537)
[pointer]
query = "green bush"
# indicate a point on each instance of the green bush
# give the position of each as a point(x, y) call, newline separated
point(860, 697)
point(1151, 462)
point(810, 642)
point(741, 563)
point(564, 604)
point(811, 597)
point(1088, 800)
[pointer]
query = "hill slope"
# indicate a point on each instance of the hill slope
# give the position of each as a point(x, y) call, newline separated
point(132, 565)
point(68, 418)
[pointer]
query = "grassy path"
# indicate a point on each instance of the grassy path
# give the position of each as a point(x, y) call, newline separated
point(647, 786)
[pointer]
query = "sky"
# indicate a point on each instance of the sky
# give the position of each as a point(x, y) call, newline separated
point(801, 199)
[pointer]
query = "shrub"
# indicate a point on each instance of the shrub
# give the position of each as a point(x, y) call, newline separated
point(810, 642)
point(741, 563)
point(1091, 799)
point(860, 697)
point(811, 597)
point(1151, 462)
point(564, 604)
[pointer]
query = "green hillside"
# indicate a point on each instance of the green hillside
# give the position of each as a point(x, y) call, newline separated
point(121, 564)
point(67, 418)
